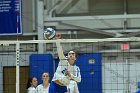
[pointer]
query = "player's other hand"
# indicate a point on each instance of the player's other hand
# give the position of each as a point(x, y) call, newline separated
point(68, 73)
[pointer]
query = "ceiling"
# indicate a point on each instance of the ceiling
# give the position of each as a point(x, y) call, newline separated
point(94, 18)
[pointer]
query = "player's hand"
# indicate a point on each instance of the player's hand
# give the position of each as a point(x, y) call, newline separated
point(58, 36)
point(68, 73)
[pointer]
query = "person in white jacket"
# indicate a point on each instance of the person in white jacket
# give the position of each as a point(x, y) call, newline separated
point(65, 71)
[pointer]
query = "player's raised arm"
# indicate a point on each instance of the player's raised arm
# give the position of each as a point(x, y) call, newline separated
point(60, 51)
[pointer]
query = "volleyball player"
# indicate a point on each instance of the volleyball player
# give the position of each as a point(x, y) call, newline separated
point(65, 71)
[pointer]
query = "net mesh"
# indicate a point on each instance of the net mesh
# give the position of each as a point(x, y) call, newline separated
point(105, 66)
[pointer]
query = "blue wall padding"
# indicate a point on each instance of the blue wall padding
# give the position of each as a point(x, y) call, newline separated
point(40, 63)
point(91, 72)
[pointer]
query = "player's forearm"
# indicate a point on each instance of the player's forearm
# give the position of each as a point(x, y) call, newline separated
point(60, 51)
point(75, 78)
point(71, 76)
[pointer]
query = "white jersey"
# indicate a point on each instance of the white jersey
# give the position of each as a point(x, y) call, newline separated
point(31, 90)
point(64, 66)
point(41, 89)
point(73, 87)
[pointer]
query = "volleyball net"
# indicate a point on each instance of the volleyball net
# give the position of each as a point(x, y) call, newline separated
point(109, 65)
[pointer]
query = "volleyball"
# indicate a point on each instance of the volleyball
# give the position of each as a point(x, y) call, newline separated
point(49, 33)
